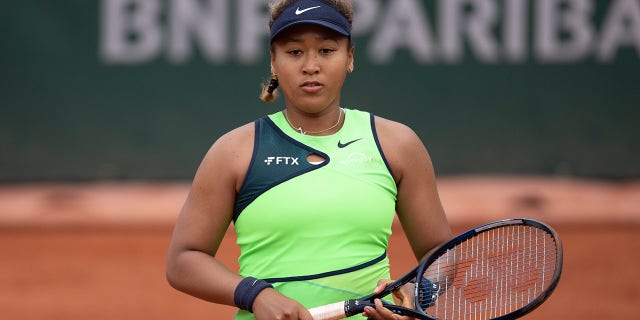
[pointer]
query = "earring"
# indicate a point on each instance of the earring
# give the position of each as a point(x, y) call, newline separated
point(273, 84)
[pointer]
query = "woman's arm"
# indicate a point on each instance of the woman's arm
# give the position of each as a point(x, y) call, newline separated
point(418, 205)
point(204, 219)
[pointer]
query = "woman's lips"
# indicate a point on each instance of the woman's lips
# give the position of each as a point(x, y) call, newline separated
point(311, 86)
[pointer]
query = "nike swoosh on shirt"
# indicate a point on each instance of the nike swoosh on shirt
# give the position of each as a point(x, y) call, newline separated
point(299, 12)
point(342, 145)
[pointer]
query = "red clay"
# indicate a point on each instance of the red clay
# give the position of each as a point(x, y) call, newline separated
point(97, 251)
point(119, 274)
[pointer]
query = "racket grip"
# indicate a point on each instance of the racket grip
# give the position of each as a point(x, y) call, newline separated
point(332, 311)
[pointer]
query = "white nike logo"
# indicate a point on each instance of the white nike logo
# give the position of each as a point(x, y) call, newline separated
point(299, 12)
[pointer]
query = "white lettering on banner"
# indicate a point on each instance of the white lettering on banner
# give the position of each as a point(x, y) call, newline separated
point(514, 30)
point(476, 25)
point(404, 25)
point(252, 31)
point(573, 22)
point(193, 22)
point(434, 31)
point(621, 27)
point(130, 32)
point(366, 16)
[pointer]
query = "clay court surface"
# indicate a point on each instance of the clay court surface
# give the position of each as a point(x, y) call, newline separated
point(96, 251)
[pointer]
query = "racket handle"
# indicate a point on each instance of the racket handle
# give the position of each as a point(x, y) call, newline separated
point(332, 311)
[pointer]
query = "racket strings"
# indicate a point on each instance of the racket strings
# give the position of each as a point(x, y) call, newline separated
point(491, 274)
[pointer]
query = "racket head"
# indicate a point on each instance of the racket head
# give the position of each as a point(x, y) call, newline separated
point(500, 270)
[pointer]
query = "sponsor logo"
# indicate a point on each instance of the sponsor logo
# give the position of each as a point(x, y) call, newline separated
point(287, 161)
point(356, 157)
point(342, 145)
point(299, 12)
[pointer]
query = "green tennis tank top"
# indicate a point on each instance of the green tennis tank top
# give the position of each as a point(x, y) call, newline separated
point(318, 232)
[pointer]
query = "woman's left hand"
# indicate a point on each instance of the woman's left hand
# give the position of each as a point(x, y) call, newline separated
point(402, 297)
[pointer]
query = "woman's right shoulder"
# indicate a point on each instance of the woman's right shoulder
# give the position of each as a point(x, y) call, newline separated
point(232, 150)
point(239, 137)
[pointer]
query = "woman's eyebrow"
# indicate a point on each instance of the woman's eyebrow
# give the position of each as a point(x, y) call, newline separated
point(328, 37)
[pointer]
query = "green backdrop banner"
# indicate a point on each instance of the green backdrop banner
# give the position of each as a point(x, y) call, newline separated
point(139, 89)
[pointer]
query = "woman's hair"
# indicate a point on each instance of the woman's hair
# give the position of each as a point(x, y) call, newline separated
point(276, 8)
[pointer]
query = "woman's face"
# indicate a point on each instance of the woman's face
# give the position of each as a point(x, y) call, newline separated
point(311, 63)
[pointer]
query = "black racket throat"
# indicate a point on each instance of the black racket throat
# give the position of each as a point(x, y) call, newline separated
point(409, 277)
point(353, 307)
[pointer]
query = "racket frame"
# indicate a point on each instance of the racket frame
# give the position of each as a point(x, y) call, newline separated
point(443, 248)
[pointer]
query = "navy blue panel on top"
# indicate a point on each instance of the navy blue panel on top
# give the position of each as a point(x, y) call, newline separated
point(276, 158)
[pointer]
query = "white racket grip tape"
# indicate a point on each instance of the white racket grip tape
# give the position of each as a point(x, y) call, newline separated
point(332, 311)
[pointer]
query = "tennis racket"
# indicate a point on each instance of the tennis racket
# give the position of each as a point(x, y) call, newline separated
point(500, 270)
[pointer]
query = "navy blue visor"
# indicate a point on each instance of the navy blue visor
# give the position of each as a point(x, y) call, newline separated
point(311, 12)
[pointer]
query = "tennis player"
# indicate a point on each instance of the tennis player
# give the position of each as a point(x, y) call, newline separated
point(312, 189)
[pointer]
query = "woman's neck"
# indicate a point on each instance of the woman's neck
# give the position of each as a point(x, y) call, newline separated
point(316, 125)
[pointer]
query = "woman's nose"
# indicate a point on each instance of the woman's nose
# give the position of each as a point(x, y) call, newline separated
point(311, 64)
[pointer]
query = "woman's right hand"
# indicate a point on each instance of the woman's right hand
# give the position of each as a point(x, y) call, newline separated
point(270, 305)
point(402, 297)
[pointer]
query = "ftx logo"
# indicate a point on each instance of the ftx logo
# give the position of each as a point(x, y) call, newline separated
point(290, 161)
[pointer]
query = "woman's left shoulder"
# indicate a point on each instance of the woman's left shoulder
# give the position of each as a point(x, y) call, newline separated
point(397, 133)
point(401, 146)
